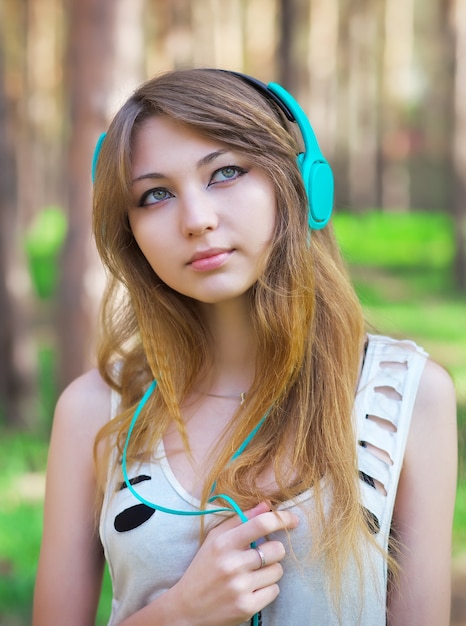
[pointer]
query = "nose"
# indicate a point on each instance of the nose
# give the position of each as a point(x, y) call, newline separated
point(198, 214)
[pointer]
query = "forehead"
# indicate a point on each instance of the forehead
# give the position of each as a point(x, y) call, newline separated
point(162, 142)
point(162, 132)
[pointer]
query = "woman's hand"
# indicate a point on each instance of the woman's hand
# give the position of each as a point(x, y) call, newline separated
point(226, 583)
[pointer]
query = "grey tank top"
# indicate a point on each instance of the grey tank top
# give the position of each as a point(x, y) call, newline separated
point(147, 552)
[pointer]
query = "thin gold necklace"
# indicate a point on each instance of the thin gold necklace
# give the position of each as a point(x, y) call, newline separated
point(241, 396)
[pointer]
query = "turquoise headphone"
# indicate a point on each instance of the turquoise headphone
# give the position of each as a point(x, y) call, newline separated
point(315, 171)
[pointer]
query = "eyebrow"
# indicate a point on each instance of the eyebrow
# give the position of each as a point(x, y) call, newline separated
point(208, 158)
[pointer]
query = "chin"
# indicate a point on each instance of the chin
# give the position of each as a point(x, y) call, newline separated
point(222, 297)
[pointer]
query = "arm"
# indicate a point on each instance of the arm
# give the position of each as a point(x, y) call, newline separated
point(423, 515)
point(71, 562)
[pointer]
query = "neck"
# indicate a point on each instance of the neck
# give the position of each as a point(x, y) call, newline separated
point(234, 348)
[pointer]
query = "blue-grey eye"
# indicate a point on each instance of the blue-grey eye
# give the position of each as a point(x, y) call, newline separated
point(229, 172)
point(154, 196)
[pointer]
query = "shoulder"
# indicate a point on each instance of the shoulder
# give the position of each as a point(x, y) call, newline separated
point(433, 436)
point(81, 411)
point(430, 462)
point(436, 397)
point(85, 402)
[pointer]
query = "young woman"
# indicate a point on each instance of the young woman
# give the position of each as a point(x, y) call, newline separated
point(245, 451)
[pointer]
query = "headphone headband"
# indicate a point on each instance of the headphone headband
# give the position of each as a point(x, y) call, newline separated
point(266, 91)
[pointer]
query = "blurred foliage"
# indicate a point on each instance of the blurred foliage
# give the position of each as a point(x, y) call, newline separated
point(396, 240)
point(22, 461)
point(43, 244)
point(47, 385)
point(23, 457)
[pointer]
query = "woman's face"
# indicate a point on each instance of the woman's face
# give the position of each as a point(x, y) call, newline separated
point(202, 214)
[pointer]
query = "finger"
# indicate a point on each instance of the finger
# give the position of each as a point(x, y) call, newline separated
point(234, 521)
point(266, 554)
point(262, 597)
point(262, 525)
point(262, 507)
point(261, 555)
point(270, 575)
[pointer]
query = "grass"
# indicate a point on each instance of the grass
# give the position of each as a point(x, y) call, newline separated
point(401, 266)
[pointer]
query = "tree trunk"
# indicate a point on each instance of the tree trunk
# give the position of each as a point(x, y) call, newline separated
point(364, 35)
point(459, 141)
point(89, 65)
point(322, 66)
point(260, 34)
point(398, 81)
point(10, 383)
point(284, 52)
point(226, 20)
point(293, 18)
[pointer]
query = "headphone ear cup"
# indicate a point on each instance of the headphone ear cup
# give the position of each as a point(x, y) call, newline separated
point(319, 185)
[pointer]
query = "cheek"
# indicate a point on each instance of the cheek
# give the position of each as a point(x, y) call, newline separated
point(145, 228)
point(150, 242)
point(156, 253)
point(265, 227)
point(269, 220)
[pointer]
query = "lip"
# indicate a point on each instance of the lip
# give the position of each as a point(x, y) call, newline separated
point(206, 260)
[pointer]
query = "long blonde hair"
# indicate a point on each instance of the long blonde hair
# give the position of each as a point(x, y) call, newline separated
point(306, 316)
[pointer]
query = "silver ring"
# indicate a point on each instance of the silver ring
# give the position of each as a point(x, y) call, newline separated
point(261, 556)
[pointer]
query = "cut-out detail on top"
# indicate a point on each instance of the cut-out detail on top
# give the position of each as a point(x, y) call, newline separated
point(372, 482)
point(379, 453)
point(401, 365)
point(383, 410)
point(383, 423)
point(372, 522)
point(389, 392)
